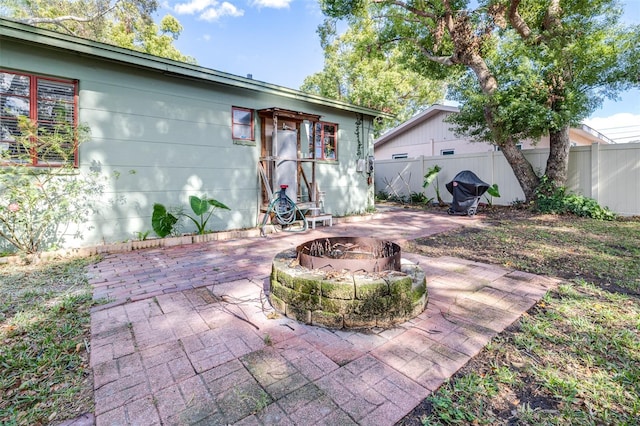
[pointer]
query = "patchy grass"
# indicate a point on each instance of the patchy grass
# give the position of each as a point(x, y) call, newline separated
point(44, 335)
point(602, 252)
point(574, 358)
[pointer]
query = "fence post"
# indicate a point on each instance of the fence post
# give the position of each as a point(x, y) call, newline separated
point(595, 172)
point(492, 165)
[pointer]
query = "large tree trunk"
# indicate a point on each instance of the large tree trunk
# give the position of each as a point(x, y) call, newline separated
point(468, 51)
point(558, 162)
point(522, 169)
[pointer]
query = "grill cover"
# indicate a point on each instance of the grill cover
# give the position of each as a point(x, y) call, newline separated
point(466, 188)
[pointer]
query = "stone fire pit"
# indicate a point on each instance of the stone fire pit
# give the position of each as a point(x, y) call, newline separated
point(347, 282)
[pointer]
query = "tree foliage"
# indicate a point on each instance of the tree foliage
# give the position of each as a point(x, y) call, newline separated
point(556, 62)
point(522, 68)
point(357, 71)
point(125, 23)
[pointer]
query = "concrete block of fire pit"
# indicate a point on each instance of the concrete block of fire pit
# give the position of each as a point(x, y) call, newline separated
point(298, 314)
point(399, 283)
point(338, 288)
point(336, 306)
point(370, 286)
point(277, 303)
point(327, 319)
point(299, 299)
point(358, 321)
point(344, 299)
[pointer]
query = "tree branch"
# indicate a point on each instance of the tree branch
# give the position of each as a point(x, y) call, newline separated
point(518, 23)
point(442, 60)
point(60, 19)
point(411, 9)
point(552, 20)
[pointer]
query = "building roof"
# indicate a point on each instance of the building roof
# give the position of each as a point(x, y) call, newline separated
point(51, 39)
point(581, 129)
point(590, 133)
point(413, 122)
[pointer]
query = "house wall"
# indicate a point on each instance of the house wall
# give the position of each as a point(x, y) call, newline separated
point(427, 138)
point(170, 137)
point(607, 173)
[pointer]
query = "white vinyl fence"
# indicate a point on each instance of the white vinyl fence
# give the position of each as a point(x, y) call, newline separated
point(608, 173)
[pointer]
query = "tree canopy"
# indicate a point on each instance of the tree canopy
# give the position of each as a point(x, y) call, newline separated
point(522, 68)
point(124, 23)
point(354, 72)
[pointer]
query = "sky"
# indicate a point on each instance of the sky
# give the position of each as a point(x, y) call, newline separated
point(275, 41)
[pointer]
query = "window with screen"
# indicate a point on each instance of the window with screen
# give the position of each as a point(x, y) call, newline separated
point(48, 111)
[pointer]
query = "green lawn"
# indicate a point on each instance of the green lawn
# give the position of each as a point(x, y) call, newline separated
point(44, 330)
point(574, 358)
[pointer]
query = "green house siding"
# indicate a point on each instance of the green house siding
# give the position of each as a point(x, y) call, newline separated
point(168, 136)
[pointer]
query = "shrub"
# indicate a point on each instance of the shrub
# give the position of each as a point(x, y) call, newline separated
point(38, 203)
point(382, 196)
point(556, 200)
point(419, 198)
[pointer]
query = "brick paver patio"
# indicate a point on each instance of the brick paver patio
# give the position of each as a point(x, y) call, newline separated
point(190, 338)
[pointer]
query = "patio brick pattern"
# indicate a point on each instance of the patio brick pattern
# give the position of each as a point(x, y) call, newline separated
point(189, 337)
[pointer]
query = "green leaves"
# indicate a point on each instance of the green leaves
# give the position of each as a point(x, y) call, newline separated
point(361, 69)
point(557, 200)
point(201, 205)
point(128, 23)
point(494, 191)
point(431, 178)
point(162, 221)
point(432, 174)
point(38, 203)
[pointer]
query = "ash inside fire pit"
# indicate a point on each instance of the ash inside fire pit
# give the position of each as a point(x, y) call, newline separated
point(347, 282)
point(350, 253)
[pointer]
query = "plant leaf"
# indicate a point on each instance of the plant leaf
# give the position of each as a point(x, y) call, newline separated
point(162, 221)
point(432, 173)
point(217, 204)
point(494, 191)
point(198, 205)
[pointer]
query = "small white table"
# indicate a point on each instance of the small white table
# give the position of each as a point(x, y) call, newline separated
point(324, 218)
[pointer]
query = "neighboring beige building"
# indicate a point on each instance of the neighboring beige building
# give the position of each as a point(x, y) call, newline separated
point(427, 134)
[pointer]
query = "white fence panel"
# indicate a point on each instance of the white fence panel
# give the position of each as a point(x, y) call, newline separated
point(399, 177)
point(579, 177)
point(618, 177)
point(608, 173)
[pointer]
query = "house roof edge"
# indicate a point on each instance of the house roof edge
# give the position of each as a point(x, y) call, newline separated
point(414, 121)
point(31, 34)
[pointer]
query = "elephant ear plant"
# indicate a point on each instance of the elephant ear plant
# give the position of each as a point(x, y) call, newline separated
point(431, 178)
point(163, 221)
point(493, 191)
